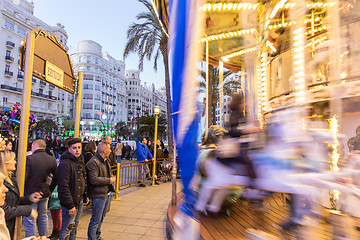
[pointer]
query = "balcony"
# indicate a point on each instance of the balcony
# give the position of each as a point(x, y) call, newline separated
point(43, 95)
point(20, 76)
point(10, 44)
point(7, 87)
point(42, 83)
point(9, 59)
point(8, 74)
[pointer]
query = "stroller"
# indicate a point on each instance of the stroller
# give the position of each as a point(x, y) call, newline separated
point(165, 170)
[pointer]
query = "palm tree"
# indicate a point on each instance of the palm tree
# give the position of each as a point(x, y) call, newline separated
point(47, 125)
point(229, 87)
point(149, 41)
point(122, 130)
point(147, 125)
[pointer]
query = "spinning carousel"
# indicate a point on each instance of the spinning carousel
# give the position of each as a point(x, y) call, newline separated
point(294, 54)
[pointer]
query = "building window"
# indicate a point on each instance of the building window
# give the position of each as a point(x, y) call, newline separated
point(80, 58)
point(8, 53)
point(88, 86)
point(5, 100)
point(88, 77)
point(7, 68)
point(97, 107)
point(96, 60)
point(88, 59)
point(21, 31)
point(41, 91)
point(9, 25)
point(87, 106)
point(88, 96)
point(88, 68)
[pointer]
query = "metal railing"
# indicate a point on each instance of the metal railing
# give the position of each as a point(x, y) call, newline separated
point(132, 174)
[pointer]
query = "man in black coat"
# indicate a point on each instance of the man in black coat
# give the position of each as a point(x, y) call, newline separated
point(99, 187)
point(71, 188)
point(112, 156)
point(127, 151)
point(40, 177)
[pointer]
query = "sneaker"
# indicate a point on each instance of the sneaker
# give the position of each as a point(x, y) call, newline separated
point(156, 183)
point(54, 235)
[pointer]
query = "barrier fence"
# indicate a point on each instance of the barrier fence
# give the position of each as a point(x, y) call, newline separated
point(133, 174)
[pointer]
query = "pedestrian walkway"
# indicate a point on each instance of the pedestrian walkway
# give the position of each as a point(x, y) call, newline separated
point(140, 213)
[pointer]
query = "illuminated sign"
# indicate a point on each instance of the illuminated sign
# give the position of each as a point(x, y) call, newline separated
point(54, 75)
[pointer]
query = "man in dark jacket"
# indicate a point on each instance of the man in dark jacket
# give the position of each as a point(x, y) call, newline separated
point(40, 177)
point(112, 156)
point(127, 151)
point(99, 187)
point(71, 188)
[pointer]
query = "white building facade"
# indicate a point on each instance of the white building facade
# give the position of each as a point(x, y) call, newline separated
point(47, 101)
point(142, 99)
point(104, 92)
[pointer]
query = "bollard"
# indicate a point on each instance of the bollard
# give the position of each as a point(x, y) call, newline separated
point(117, 181)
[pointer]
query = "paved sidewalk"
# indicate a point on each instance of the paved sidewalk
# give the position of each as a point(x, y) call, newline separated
point(140, 213)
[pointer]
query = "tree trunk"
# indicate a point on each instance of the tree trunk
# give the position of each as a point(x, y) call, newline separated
point(164, 52)
point(168, 101)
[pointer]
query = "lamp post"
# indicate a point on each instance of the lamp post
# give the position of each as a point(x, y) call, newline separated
point(130, 124)
point(104, 117)
point(138, 108)
point(82, 123)
point(156, 111)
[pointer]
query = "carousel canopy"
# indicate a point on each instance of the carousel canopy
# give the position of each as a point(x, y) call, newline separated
point(230, 27)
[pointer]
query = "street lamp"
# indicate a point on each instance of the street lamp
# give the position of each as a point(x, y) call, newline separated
point(138, 108)
point(82, 123)
point(104, 117)
point(157, 112)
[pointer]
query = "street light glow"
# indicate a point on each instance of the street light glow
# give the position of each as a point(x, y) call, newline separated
point(157, 110)
point(104, 117)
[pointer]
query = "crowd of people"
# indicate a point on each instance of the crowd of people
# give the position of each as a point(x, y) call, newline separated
point(64, 176)
point(59, 177)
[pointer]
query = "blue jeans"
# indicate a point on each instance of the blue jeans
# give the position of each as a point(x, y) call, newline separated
point(56, 155)
point(99, 209)
point(42, 220)
point(69, 223)
point(118, 158)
